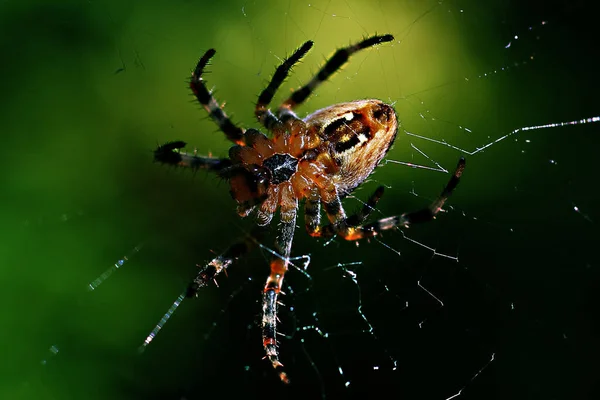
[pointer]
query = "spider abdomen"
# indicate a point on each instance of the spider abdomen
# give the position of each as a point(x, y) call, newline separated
point(358, 135)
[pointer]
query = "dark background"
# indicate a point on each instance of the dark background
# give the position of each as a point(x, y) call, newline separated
point(88, 90)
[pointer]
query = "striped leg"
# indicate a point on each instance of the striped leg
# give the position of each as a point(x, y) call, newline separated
point(233, 133)
point(334, 63)
point(279, 266)
point(332, 204)
point(209, 272)
point(345, 228)
point(407, 219)
point(312, 214)
point(168, 153)
point(263, 114)
point(334, 210)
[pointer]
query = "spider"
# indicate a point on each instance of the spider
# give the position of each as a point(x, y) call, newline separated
point(319, 159)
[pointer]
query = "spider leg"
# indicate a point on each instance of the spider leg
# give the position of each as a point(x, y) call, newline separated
point(339, 58)
point(332, 204)
point(360, 216)
point(263, 114)
point(204, 96)
point(168, 153)
point(407, 219)
point(346, 226)
point(209, 272)
point(279, 266)
point(312, 213)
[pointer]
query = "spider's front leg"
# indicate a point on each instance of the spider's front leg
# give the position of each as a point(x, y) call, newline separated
point(210, 104)
point(333, 64)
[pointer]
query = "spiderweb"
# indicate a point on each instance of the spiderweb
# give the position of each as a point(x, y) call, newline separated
point(493, 299)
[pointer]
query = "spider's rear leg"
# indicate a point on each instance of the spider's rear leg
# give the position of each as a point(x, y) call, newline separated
point(407, 219)
point(334, 63)
point(205, 97)
point(169, 153)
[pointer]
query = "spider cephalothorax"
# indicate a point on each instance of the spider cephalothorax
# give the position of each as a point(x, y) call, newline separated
point(318, 159)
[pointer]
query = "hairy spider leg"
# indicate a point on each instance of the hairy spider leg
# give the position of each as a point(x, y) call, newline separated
point(407, 219)
point(361, 215)
point(208, 273)
point(344, 227)
point(334, 63)
point(312, 212)
point(279, 266)
point(262, 112)
point(169, 153)
point(328, 195)
point(205, 97)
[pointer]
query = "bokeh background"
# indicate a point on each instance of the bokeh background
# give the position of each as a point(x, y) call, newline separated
point(89, 88)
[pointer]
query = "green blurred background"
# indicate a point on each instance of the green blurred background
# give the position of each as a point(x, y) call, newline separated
point(88, 90)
